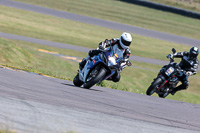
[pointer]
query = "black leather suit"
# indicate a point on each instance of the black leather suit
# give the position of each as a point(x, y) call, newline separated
point(189, 65)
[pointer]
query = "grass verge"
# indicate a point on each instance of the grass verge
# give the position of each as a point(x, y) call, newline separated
point(26, 56)
point(76, 33)
point(127, 13)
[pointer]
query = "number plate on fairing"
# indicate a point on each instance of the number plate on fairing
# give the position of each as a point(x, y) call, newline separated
point(169, 71)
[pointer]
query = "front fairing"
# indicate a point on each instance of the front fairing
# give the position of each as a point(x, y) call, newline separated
point(169, 70)
point(169, 77)
point(90, 64)
point(93, 62)
point(103, 59)
point(108, 53)
point(111, 66)
point(112, 58)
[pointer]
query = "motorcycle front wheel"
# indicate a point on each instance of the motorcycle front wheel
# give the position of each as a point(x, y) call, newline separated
point(77, 81)
point(95, 76)
point(153, 86)
point(163, 95)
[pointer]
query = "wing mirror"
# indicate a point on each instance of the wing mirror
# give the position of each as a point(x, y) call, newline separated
point(128, 63)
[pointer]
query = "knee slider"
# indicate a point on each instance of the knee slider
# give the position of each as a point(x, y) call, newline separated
point(116, 77)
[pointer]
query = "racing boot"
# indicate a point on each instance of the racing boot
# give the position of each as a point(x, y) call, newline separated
point(180, 87)
point(175, 90)
point(83, 62)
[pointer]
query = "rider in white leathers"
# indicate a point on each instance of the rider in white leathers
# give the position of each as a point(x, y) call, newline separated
point(120, 46)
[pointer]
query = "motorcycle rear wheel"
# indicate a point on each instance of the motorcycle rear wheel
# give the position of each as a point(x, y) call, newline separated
point(100, 74)
point(153, 86)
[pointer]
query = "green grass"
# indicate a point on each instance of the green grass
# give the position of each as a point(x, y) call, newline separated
point(76, 33)
point(127, 13)
point(26, 56)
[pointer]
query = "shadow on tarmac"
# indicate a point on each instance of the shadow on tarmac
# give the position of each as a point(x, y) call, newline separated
point(81, 87)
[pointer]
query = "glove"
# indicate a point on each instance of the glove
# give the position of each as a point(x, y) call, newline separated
point(170, 56)
point(102, 45)
point(90, 53)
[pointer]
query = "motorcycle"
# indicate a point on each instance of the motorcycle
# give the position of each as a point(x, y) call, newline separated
point(166, 80)
point(98, 68)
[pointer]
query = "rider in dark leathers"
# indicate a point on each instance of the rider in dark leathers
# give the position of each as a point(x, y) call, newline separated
point(119, 46)
point(189, 64)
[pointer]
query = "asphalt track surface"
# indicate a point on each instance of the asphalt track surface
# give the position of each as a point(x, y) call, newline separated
point(35, 103)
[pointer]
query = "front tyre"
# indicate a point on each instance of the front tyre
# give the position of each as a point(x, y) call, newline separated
point(94, 77)
point(153, 86)
point(77, 81)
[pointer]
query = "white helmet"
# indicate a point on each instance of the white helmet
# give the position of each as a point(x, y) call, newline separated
point(125, 40)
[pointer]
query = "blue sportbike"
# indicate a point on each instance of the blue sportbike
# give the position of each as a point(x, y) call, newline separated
point(98, 68)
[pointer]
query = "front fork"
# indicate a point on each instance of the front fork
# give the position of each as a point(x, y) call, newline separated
point(108, 76)
point(164, 81)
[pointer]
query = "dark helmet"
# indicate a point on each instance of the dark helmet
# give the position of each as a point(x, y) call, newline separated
point(194, 52)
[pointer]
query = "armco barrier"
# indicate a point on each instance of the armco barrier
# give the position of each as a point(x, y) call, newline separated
point(162, 7)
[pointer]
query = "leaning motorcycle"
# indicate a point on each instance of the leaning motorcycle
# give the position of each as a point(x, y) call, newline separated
point(98, 68)
point(166, 80)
